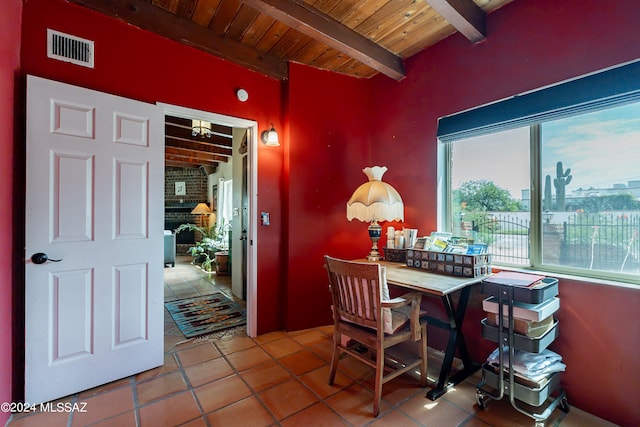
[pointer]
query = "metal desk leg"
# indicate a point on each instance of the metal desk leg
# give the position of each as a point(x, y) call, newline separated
point(456, 341)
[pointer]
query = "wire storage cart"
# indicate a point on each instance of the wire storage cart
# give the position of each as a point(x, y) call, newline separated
point(536, 399)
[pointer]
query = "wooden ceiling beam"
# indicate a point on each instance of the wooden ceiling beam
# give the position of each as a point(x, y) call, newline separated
point(186, 135)
point(171, 160)
point(465, 16)
point(145, 15)
point(195, 155)
point(332, 33)
point(197, 146)
point(187, 123)
point(178, 164)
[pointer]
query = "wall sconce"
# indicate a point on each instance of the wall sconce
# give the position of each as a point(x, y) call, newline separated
point(270, 137)
point(200, 128)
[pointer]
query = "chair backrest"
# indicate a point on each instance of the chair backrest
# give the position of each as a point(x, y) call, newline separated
point(356, 291)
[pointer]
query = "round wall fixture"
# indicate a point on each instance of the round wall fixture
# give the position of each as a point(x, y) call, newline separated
point(242, 95)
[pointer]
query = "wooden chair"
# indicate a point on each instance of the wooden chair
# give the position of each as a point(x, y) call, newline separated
point(363, 312)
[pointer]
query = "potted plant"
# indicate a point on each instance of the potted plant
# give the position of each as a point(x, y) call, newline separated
point(222, 262)
point(222, 254)
point(206, 264)
point(209, 249)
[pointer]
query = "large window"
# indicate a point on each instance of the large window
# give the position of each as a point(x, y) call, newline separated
point(489, 178)
point(558, 192)
point(225, 207)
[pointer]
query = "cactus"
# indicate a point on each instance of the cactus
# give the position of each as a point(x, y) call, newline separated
point(547, 203)
point(563, 179)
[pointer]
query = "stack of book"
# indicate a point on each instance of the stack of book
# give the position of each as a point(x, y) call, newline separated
point(447, 243)
point(531, 320)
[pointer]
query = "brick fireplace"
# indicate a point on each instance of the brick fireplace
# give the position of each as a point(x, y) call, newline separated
point(178, 207)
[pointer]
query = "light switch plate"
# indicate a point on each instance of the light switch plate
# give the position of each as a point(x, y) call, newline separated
point(264, 218)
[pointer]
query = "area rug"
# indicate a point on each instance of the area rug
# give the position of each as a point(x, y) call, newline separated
point(206, 314)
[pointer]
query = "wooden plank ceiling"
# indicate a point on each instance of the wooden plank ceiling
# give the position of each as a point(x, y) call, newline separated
point(360, 38)
point(186, 148)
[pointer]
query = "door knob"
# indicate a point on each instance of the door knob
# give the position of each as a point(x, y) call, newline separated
point(41, 258)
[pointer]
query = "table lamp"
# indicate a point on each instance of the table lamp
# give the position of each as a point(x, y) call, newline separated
point(202, 209)
point(375, 201)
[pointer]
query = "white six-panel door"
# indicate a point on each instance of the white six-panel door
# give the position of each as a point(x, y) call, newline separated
point(94, 201)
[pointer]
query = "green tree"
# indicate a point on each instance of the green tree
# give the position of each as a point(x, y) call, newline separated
point(612, 202)
point(483, 196)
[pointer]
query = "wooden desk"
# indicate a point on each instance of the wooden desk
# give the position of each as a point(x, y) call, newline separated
point(443, 286)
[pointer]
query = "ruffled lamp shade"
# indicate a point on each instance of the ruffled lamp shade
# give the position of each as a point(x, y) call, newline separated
point(375, 201)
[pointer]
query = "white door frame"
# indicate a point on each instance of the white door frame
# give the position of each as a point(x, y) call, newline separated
point(252, 139)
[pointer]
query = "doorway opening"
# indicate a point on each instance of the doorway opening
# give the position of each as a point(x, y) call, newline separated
point(231, 190)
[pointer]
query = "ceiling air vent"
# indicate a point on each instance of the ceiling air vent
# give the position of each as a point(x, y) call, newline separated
point(65, 47)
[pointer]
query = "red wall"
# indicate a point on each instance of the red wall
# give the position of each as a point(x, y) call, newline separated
point(329, 145)
point(10, 17)
point(530, 44)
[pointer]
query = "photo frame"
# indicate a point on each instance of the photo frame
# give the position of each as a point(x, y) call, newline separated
point(181, 188)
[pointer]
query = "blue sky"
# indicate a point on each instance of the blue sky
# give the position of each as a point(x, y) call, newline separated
point(601, 148)
point(502, 158)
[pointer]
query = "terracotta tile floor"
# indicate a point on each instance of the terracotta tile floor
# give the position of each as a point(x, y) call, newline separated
point(277, 379)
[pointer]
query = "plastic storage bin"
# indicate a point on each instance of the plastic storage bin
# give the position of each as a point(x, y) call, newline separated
point(522, 342)
point(529, 295)
point(534, 396)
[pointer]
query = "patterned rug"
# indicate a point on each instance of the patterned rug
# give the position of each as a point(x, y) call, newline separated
point(206, 314)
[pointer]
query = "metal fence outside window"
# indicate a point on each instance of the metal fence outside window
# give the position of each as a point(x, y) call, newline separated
point(608, 242)
point(597, 241)
point(507, 237)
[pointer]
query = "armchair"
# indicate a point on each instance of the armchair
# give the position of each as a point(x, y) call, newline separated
point(169, 248)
